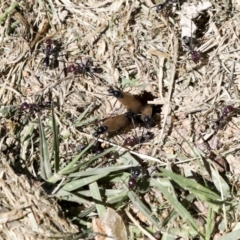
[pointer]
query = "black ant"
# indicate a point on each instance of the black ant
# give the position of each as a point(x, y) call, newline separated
point(195, 55)
point(136, 173)
point(50, 50)
point(85, 68)
point(161, 6)
point(95, 149)
point(225, 115)
point(137, 140)
point(34, 107)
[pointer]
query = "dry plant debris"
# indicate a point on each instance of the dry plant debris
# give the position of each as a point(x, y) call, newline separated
point(124, 44)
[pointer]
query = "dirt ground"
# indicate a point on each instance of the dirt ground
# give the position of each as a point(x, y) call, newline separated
point(181, 57)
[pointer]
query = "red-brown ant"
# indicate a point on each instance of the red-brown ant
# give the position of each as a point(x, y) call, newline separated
point(113, 124)
point(225, 114)
point(195, 55)
point(34, 107)
point(137, 140)
point(85, 68)
point(134, 106)
point(146, 116)
point(127, 99)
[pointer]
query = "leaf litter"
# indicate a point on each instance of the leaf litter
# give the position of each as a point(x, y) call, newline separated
point(137, 50)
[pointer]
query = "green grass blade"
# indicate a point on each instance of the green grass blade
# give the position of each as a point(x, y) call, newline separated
point(185, 215)
point(85, 164)
point(143, 208)
point(70, 167)
point(87, 211)
point(87, 121)
point(209, 224)
point(8, 11)
point(195, 188)
point(44, 153)
point(231, 236)
point(94, 189)
point(25, 141)
point(55, 141)
point(78, 121)
point(220, 183)
point(28, 133)
point(97, 171)
point(76, 184)
point(63, 194)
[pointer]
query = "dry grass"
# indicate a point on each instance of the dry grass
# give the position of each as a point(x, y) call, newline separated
point(139, 52)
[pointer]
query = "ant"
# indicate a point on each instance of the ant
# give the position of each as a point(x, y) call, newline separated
point(114, 124)
point(225, 115)
point(95, 149)
point(136, 173)
point(161, 6)
point(137, 140)
point(84, 67)
point(50, 50)
point(146, 116)
point(127, 99)
point(195, 55)
point(34, 107)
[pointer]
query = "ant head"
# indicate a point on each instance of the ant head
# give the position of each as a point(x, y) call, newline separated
point(100, 130)
point(228, 109)
point(159, 8)
point(130, 114)
point(24, 106)
point(97, 148)
point(115, 93)
point(147, 119)
point(135, 172)
point(186, 40)
point(48, 41)
point(71, 68)
point(129, 142)
point(216, 125)
point(148, 122)
point(132, 183)
point(111, 90)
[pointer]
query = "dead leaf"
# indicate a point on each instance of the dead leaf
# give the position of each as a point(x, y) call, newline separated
point(110, 226)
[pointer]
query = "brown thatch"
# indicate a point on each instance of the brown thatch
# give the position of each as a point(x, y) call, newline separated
point(26, 212)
